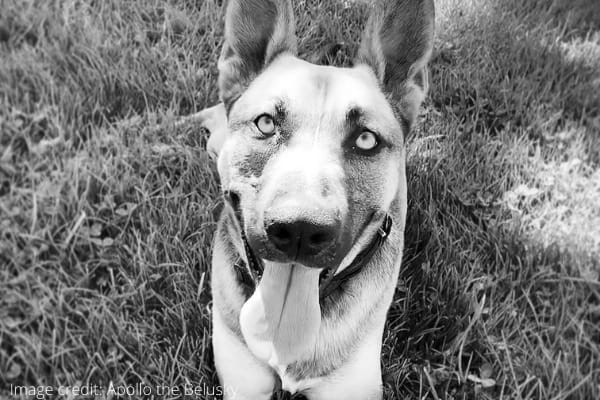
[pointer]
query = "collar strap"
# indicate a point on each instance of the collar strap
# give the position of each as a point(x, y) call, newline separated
point(250, 272)
point(332, 283)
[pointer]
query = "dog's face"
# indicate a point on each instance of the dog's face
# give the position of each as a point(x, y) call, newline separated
point(313, 152)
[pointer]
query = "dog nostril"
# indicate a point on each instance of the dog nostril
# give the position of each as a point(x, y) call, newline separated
point(319, 238)
point(281, 236)
point(280, 233)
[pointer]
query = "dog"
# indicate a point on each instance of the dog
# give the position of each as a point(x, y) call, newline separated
point(311, 160)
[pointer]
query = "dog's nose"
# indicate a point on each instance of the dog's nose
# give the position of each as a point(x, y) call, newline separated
point(302, 238)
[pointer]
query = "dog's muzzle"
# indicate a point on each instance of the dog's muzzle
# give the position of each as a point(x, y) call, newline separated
point(249, 267)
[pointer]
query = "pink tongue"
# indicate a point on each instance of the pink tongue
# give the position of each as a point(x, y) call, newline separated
point(281, 321)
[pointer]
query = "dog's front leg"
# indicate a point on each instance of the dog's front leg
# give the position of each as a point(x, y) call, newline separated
point(242, 376)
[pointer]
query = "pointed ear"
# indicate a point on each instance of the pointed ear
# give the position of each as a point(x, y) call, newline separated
point(256, 32)
point(397, 44)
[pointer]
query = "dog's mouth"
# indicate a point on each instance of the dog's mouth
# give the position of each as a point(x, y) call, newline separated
point(336, 266)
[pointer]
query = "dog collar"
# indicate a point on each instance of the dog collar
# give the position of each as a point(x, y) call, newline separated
point(331, 280)
point(249, 273)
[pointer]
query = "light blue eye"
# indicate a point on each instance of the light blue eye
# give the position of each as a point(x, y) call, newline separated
point(265, 124)
point(367, 140)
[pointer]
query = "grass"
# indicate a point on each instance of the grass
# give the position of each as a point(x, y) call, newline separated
point(106, 225)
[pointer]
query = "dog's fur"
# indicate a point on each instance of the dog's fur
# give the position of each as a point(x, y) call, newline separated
point(311, 163)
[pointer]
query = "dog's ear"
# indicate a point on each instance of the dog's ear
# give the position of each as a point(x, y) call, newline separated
point(397, 44)
point(256, 31)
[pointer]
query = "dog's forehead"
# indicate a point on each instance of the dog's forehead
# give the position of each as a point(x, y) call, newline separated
point(308, 89)
point(296, 76)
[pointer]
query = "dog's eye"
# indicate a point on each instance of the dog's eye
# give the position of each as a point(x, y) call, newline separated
point(265, 124)
point(367, 140)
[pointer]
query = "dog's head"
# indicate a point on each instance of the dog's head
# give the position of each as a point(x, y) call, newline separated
point(314, 152)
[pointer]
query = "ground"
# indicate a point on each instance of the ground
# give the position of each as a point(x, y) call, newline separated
point(106, 222)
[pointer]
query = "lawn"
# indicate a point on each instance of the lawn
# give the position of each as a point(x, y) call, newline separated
point(107, 207)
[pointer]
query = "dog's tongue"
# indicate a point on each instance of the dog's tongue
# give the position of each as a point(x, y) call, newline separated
point(281, 320)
